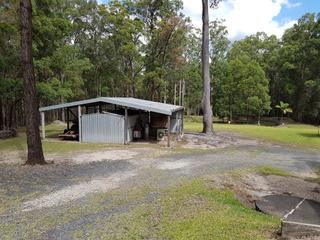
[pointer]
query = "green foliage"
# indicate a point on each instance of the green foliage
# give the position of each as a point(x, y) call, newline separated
point(299, 58)
point(141, 48)
point(245, 88)
point(284, 107)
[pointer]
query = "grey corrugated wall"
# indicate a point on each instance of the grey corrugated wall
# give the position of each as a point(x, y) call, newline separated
point(176, 121)
point(103, 128)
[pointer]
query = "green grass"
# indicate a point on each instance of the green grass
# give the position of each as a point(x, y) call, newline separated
point(315, 179)
point(50, 145)
point(300, 135)
point(193, 210)
point(199, 211)
point(265, 171)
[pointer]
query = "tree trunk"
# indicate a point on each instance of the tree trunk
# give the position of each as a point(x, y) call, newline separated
point(1, 115)
point(175, 94)
point(206, 106)
point(35, 153)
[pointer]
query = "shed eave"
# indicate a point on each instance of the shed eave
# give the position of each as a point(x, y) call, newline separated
point(133, 103)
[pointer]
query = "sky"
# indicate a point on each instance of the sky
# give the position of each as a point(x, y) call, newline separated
point(246, 17)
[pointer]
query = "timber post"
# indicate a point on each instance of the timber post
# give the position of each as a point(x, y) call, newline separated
point(43, 130)
point(79, 124)
point(169, 123)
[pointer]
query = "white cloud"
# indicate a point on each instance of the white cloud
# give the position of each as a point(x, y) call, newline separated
point(244, 17)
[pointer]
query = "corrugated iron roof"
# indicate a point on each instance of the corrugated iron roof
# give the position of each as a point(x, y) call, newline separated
point(129, 102)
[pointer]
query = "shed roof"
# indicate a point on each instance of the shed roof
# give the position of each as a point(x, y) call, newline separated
point(129, 102)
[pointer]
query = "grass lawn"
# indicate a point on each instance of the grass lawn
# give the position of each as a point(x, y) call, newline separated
point(300, 135)
point(50, 145)
point(192, 210)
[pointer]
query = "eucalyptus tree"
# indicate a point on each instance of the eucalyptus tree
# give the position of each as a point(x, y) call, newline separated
point(300, 61)
point(11, 89)
point(165, 35)
point(35, 152)
point(219, 47)
point(206, 99)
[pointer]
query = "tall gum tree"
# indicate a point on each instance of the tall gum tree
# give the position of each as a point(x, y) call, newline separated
point(206, 98)
point(31, 101)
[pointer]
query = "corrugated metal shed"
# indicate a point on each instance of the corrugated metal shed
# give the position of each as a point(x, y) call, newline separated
point(102, 128)
point(134, 103)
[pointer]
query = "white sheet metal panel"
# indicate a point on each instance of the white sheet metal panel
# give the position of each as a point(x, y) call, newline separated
point(146, 105)
point(103, 128)
point(176, 122)
point(134, 103)
point(132, 120)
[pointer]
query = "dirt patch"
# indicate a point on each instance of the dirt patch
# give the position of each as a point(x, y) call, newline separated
point(217, 140)
point(104, 155)
point(78, 191)
point(12, 157)
point(251, 187)
point(257, 186)
point(172, 165)
point(294, 186)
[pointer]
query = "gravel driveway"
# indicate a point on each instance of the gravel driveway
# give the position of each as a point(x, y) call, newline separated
point(107, 187)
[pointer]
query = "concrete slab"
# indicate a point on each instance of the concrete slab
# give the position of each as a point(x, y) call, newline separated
point(308, 212)
point(277, 205)
point(299, 230)
point(300, 217)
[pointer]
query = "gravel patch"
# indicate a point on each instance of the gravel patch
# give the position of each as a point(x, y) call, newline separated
point(216, 141)
point(172, 165)
point(78, 191)
point(104, 155)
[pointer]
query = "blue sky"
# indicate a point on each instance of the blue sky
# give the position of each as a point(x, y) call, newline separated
point(297, 12)
point(245, 17)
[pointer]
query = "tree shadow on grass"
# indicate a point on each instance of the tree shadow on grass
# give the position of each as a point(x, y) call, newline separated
point(311, 135)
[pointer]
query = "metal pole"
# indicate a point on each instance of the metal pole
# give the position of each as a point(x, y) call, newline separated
point(169, 123)
point(79, 124)
point(182, 119)
point(43, 125)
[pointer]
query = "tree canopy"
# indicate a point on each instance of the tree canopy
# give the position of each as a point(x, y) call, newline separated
point(148, 49)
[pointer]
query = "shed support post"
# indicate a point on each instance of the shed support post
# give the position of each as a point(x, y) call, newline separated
point(169, 123)
point(43, 131)
point(126, 126)
point(68, 120)
point(79, 123)
point(182, 122)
